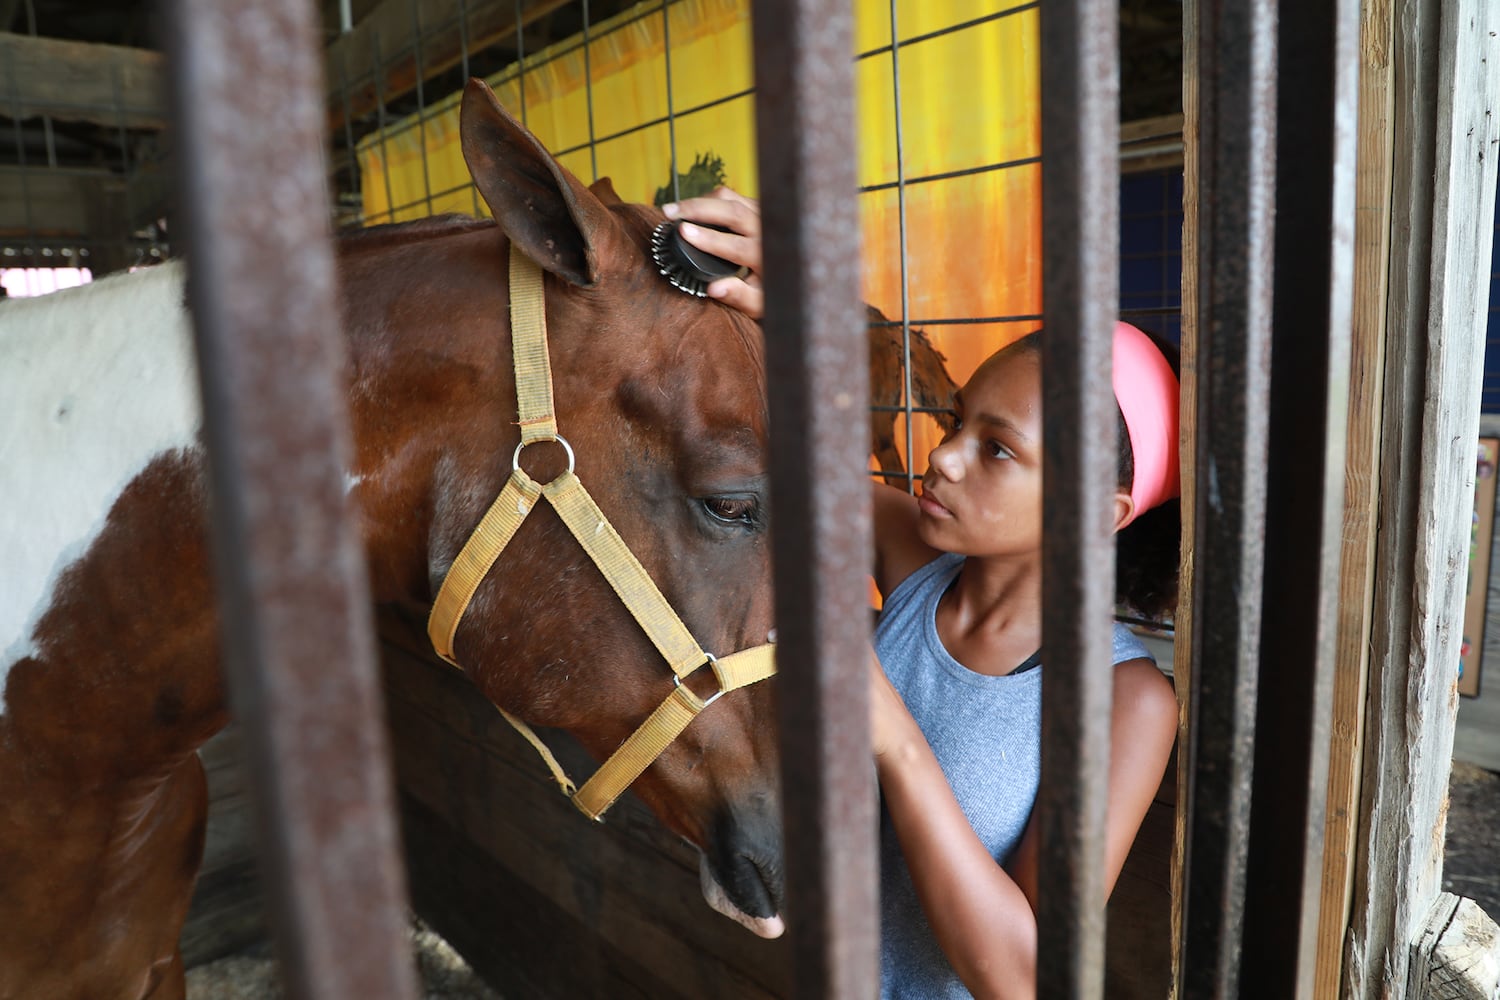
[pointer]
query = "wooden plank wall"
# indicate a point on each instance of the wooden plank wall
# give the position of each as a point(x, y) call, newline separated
point(544, 904)
point(1447, 90)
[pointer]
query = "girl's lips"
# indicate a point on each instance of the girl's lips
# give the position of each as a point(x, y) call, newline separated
point(927, 505)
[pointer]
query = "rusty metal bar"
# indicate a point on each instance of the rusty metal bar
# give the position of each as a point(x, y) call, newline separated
point(1311, 319)
point(819, 447)
point(1236, 55)
point(294, 602)
point(1080, 296)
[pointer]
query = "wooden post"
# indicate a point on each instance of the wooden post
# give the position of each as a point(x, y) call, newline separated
point(1182, 651)
point(1361, 487)
point(1447, 90)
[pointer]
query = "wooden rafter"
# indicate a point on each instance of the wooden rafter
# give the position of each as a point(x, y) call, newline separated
point(108, 85)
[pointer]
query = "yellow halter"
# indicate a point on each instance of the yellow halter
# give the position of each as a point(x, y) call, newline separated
point(609, 552)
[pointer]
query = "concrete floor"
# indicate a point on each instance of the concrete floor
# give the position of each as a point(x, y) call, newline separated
point(1471, 866)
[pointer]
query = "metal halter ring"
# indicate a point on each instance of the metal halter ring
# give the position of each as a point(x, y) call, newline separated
point(515, 460)
point(713, 664)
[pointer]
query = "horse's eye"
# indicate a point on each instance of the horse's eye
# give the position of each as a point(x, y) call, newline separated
point(731, 510)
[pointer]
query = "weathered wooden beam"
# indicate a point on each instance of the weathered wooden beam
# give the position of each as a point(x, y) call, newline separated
point(81, 81)
point(1447, 87)
point(1458, 954)
point(380, 60)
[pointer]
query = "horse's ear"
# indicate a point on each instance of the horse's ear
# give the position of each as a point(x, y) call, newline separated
point(542, 207)
point(604, 190)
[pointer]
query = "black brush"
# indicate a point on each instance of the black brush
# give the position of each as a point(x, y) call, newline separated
point(684, 265)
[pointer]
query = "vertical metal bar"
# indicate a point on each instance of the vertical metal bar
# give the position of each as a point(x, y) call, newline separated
point(1080, 301)
point(521, 59)
point(1236, 54)
point(354, 176)
point(666, 55)
point(819, 433)
point(127, 238)
point(377, 70)
point(297, 630)
point(418, 40)
point(21, 168)
point(463, 40)
point(588, 94)
point(906, 399)
point(463, 52)
point(1312, 309)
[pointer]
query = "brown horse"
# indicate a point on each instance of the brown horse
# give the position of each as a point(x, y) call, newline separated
point(108, 634)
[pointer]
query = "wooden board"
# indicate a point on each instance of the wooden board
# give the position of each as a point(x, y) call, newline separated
point(1372, 225)
point(1447, 87)
point(82, 81)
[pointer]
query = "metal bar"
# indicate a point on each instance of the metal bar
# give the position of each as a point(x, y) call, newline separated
point(521, 59)
point(911, 460)
point(385, 157)
point(418, 41)
point(819, 433)
point(666, 55)
point(20, 138)
point(588, 95)
point(1312, 309)
point(355, 181)
point(294, 603)
point(1080, 297)
point(1236, 53)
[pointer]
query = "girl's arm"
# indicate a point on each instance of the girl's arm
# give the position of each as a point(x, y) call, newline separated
point(1143, 725)
point(983, 915)
point(977, 912)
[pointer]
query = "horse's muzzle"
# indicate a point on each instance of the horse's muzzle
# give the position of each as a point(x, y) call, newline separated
point(741, 871)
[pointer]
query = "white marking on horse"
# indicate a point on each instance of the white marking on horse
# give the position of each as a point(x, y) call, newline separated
point(97, 381)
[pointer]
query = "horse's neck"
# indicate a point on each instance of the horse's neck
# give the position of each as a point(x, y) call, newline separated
point(99, 382)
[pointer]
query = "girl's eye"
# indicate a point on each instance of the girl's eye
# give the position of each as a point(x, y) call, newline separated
point(995, 449)
point(731, 510)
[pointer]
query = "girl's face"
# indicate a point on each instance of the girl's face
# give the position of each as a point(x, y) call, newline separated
point(982, 494)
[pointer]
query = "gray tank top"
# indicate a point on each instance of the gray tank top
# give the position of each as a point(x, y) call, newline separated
point(986, 733)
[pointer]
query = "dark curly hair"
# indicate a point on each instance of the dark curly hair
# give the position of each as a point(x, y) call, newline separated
point(1148, 550)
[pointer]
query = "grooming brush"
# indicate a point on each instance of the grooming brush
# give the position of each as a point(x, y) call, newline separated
point(684, 265)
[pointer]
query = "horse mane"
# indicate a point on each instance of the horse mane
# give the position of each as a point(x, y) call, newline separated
point(368, 237)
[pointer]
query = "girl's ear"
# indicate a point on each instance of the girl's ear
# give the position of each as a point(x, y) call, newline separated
point(1124, 510)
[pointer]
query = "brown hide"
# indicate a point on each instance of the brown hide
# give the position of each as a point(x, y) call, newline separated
point(662, 397)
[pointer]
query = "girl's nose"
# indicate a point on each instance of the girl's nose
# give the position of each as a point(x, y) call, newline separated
point(947, 460)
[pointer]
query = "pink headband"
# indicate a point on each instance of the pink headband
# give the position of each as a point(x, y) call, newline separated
point(1147, 392)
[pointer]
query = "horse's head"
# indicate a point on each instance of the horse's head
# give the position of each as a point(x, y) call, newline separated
point(662, 397)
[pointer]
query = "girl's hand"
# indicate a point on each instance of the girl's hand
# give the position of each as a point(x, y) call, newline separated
point(742, 245)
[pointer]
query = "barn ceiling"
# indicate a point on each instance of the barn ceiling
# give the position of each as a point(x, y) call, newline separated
point(92, 172)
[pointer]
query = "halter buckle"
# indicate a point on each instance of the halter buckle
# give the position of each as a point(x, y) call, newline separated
point(712, 662)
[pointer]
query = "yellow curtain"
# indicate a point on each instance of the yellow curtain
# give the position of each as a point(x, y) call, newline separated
point(970, 134)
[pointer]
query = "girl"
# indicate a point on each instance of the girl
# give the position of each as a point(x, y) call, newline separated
point(956, 709)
